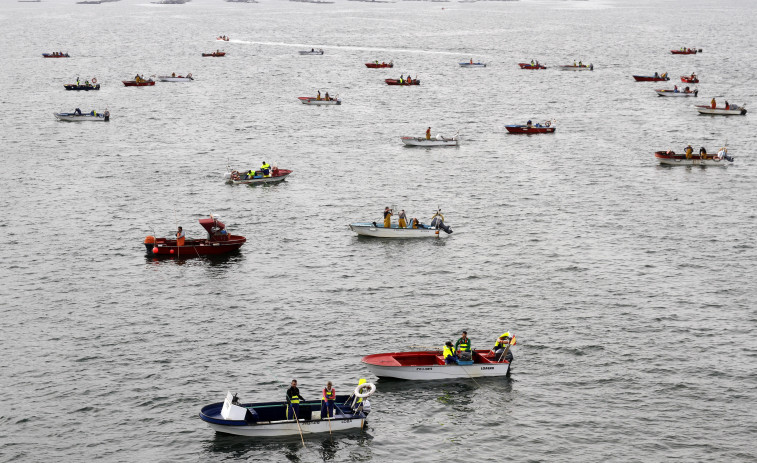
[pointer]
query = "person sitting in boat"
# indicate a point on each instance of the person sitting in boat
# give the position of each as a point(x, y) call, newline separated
point(463, 346)
point(501, 346)
point(428, 133)
point(251, 174)
point(574, 63)
point(402, 78)
point(547, 124)
point(727, 106)
point(713, 104)
point(180, 236)
point(328, 98)
point(77, 112)
point(327, 401)
point(686, 89)
point(293, 401)
point(409, 80)
point(136, 78)
point(702, 153)
point(656, 75)
point(77, 81)
point(402, 222)
point(449, 353)
point(387, 217)
point(689, 151)
point(416, 223)
point(675, 88)
point(580, 64)
point(265, 169)
point(471, 61)
point(693, 76)
point(532, 62)
point(529, 124)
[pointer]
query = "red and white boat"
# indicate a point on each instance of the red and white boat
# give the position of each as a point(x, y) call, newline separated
point(692, 79)
point(731, 110)
point(404, 82)
point(686, 51)
point(312, 100)
point(218, 242)
point(216, 54)
point(537, 65)
point(667, 158)
point(141, 83)
point(429, 365)
point(375, 65)
point(532, 129)
point(655, 78)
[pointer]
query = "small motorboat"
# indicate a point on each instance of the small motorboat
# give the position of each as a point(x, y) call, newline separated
point(686, 51)
point(692, 79)
point(216, 54)
point(654, 78)
point(223, 37)
point(175, 78)
point(534, 66)
point(139, 83)
point(55, 55)
point(86, 86)
point(312, 51)
point(312, 100)
point(577, 67)
point(731, 110)
point(669, 158)
point(218, 242)
point(376, 65)
point(471, 64)
point(78, 116)
point(270, 419)
point(677, 93)
point(403, 83)
point(375, 230)
point(236, 177)
point(529, 129)
point(438, 141)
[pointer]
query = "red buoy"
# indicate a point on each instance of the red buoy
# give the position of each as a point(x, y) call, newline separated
point(171, 251)
point(155, 250)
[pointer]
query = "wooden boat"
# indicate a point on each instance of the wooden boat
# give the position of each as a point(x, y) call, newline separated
point(577, 67)
point(141, 83)
point(312, 100)
point(534, 129)
point(312, 52)
point(236, 177)
point(379, 65)
point(690, 79)
point(215, 54)
point(218, 242)
point(84, 87)
point(657, 78)
point(403, 83)
point(438, 141)
point(679, 93)
point(429, 365)
point(375, 230)
point(531, 66)
point(733, 110)
point(672, 159)
point(269, 419)
point(78, 116)
point(187, 78)
point(55, 55)
point(686, 51)
point(472, 65)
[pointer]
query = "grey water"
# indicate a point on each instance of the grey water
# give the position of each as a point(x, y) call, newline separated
point(630, 286)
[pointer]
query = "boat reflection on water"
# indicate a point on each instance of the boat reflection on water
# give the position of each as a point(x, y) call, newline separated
point(223, 260)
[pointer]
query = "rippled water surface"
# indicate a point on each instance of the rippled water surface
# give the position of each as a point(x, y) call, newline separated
point(630, 286)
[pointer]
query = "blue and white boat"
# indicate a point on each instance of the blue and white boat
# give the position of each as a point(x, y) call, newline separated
point(377, 230)
point(471, 64)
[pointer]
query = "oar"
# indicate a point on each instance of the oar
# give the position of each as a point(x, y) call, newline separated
point(297, 420)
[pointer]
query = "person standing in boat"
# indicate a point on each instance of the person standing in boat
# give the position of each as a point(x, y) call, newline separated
point(387, 217)
point(689, 151)
point(327, 401)
point(727, 105)
point(713, 104)
point(293, 401)
point(402, 222)
point(463, 346)
point(328, 98)
point(265, 169)
point(318, 97)
point(180, 236)
point(428, 133)
point(449, 353)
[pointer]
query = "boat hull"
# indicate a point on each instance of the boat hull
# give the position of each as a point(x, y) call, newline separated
point(416, 141)
point(133, 83)
point(397, 82)
point(672, 93)
point(378, 66)
point(472, 65)
point(650, 79)
point(194, 248)
point(721, 111)
point(311, 52)
point(576, 68)
point(680, 160)
point(71, 117)
point(525, 130)
point(174, 79)
point(283, 174)
point(429, 366)
point(684, 52)
point(85, 88)
point(214, 55)
point(531, 66)
point(367, 229)
point(316, 102)
point(49, 55)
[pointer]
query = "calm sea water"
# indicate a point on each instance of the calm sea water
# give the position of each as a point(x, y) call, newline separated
point(630, 286)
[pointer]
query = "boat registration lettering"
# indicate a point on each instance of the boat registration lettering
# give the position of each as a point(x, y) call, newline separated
point(424, 369)
point(487, 368)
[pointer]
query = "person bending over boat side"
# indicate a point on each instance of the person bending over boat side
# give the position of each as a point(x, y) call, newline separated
point(449, 353)
point(327, 401)
point(689, 151)
point(723, 154)
point(180, 236)
point(500, 346)
point(415, 223)
point(77, 112)
point(387, 217)
point(463, 346)
point(265, 169)
point(293, 401)
point(702, 153)
point(428, 133)
point(402, 219)
point(529, 124)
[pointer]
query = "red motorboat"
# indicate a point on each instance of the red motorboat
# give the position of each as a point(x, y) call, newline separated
point(530, 129)
point(686, 51)
point(219, 241)
point(216, 54)
point(532, 66)
point(654, 78)
point(404, 82)
point(692, 79)
point(381, 65)
point(140, 83)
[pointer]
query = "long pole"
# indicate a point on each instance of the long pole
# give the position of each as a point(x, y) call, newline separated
point(297, 420)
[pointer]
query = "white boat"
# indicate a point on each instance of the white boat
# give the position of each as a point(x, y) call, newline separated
point(188, 78)
point(672, 159)
point(576, 67)
point(312, 52)
point(472, 65)
point(92, 116)
point(429, 365)
point(394, 231)
point(438, 141)
point(678, 94)
point(311, 100)
point(242, 178)
point(732, 110)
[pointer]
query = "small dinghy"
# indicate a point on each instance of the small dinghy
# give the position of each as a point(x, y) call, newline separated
point(686, 51)
point(404, 82)
point(533, 66)
point(692, 79)
point(654, 78)
point(670, 158)
point(312, 100)
point(55, 55)
point(138, 83)
point(256, 177)
point(312, 51)
point(678, 93)
point(438, 141)
point(419, 230)
point(577, 67)
point(277, 419)
point(216, 54)
point(528, 129)
point(218, 242)
point(471, 64)
point(78, 116)
point(377, 65)
point(86, 86)
point(223, 37)
point(731, 110)
point(175, 78)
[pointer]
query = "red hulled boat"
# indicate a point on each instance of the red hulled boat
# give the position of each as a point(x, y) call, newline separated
point(686, 51)
point(655, 78)
point(379, 65)
point(692, 79)
point(140, 83)
point(216, 54)
point(531, 66)
point(533, 129)
point(219, 241)
point(404, 82)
